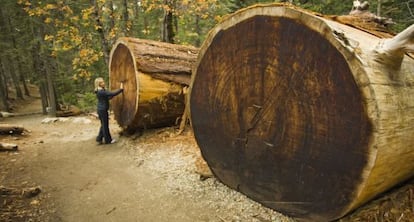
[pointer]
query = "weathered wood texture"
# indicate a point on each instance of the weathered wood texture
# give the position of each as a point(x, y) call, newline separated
point(298, 112)
point(11, 129)
point(8, 147)
point(154, 74)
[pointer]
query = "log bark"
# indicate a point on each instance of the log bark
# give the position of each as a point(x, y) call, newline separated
point(8, 146)
point(154, 74)
point(11, 129)
point(298, 112)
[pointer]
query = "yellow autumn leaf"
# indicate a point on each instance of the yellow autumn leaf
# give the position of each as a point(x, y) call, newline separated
point(75, 18)
point(35, 202)
point(98, 27)
point(50, 6)
point(66, 46)
point(83, 53)
point(48, 37)
point(48, 20)
point(67, 9)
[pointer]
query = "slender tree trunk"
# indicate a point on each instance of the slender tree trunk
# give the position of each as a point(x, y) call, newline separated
point(134, 21)
point(14, 77)
point(125, 18)
point(379, 5)
point(23, 81)
point(47, 71)
point(110, 5)
point(168, 26)
point(4, 105)
point(37, 65)
point(111, 23)
point(10, 62)
point(18, 62)
point(145, 23)
point(43, 95)
point(50, 88)
point(198, 31)
point(99, 23)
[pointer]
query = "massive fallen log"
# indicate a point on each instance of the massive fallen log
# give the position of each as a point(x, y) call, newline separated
point(303, 114)
point(154, 74)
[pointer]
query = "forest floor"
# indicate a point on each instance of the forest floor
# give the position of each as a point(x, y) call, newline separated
point(152, 177)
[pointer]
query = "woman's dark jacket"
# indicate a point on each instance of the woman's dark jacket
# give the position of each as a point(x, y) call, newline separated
point(104, 97)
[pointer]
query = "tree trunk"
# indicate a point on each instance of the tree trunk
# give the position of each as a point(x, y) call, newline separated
point(50, 88)
point(23, 81)
point(302, 113)
point(111, 24)
point(198, 31)
point(125, 18)
point(379, 5)
point(13, 75)
point(3, 89)
point(168, 34)
point(18, 62)
point(43, 96)
point(9, 57)
point(99, 23)
point(135, 21)
point(153, 74)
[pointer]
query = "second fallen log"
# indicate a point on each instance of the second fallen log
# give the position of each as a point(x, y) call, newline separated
point(154, 74)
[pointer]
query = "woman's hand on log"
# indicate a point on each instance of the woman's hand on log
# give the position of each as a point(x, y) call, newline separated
point(122, 85)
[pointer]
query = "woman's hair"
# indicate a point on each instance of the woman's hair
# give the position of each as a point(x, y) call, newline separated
point(97, 82)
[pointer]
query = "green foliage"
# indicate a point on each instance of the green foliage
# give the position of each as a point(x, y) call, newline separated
point(69, 99)
point(401, 11)
point(71, 38)
point(87, 102)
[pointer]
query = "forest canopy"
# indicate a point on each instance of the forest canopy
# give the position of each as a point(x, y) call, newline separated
point(62, 45)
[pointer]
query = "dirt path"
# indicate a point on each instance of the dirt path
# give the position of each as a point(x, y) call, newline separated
point(151, 178)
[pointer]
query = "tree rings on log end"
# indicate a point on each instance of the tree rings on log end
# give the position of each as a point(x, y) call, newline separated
point(278, 115)
point(154, 75)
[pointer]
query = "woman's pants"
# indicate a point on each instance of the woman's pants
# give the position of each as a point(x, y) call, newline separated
point(104, 130)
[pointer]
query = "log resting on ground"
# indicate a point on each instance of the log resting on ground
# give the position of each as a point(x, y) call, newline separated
point(8, 146)
point(302, 113)
point(11, 129)
point(154, 74)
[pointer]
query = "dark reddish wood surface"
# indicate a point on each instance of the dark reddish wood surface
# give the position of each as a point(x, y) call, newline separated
point(122, 70)
point(279, 117)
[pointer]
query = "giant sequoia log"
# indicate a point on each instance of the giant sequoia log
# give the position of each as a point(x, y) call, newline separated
point(153, 74)
point(304, 114)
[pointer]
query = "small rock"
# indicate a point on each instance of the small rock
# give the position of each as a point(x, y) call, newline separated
point(35, 202)
point(31, 192)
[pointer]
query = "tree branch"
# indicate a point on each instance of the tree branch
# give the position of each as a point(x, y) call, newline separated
point(391, 51)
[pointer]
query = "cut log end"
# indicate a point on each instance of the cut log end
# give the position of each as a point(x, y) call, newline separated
point(154, 75)
point(281, 117)
point(122, 69)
